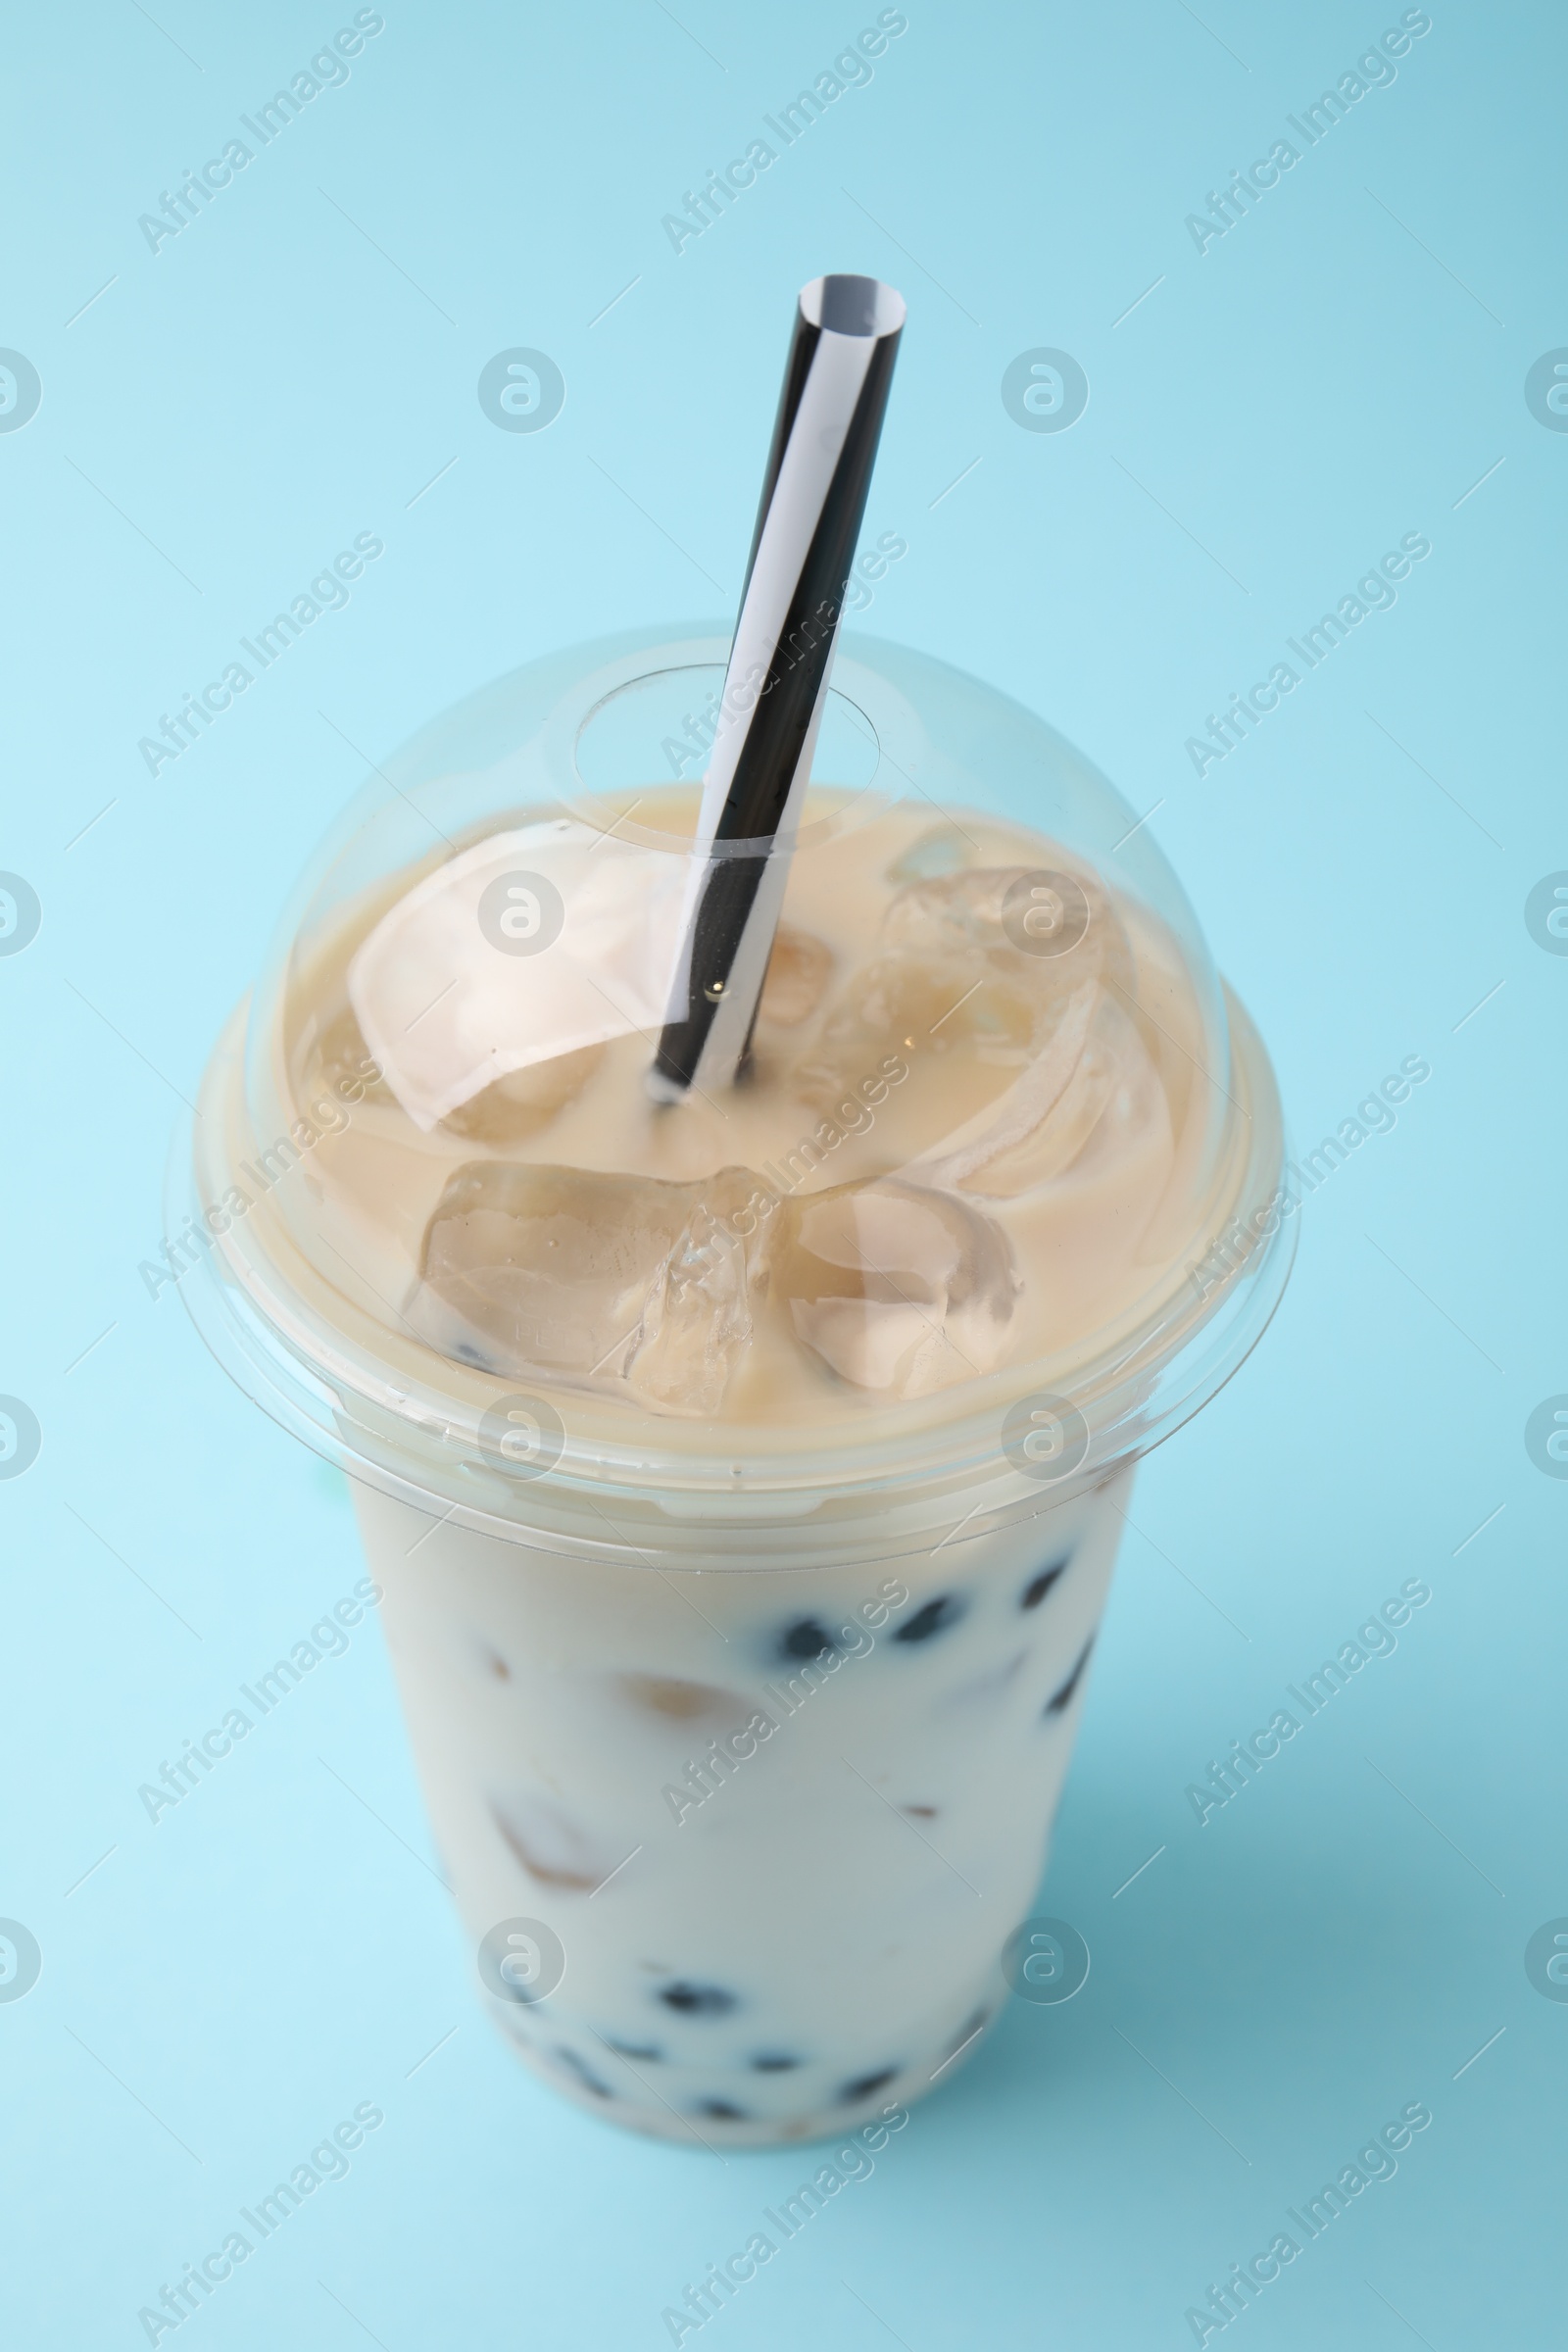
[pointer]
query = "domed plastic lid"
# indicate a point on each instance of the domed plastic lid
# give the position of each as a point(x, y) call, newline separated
point(999, 1192)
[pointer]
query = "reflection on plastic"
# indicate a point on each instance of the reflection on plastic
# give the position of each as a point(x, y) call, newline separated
point(523, 1436)
point(587, 927)
point(522, 913)
point(1045, 913)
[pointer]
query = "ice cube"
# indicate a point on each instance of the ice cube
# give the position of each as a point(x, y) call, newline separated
point(697, 1321)
point(588, 1277)
point(797, 977)
point(527, 947)
point(1011, 976)
point(897, 1288)
point(917, 1008)
point(524, 1101)
point(1045, 927)
point(942, 850)
point(976, 967)
point(1093, 1062)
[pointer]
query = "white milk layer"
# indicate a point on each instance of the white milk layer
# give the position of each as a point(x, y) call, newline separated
point(780, 1888)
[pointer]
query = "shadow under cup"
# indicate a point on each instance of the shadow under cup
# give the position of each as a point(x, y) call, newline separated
point(741, 1744)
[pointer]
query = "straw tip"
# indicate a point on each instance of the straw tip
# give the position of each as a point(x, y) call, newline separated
point(853, 306)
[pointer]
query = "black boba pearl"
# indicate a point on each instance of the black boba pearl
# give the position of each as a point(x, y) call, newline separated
point(865, 2084)
point(720, 2110)
point(648, 2051)
point(1056, 1705)
point(1035, 1591)
point(696, 2000)
point(584, 2071)
point(804, 1638)
point(773, 2062)
point(934, 1618)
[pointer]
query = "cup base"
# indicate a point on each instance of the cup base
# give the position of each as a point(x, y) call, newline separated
point(896, 2094)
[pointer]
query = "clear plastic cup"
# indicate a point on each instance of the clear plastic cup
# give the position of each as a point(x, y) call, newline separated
point(741, 1737)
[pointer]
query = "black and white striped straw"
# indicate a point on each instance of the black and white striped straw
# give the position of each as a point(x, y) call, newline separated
point(825, 438)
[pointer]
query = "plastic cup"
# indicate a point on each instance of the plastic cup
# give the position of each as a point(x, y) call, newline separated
point(741, 1744)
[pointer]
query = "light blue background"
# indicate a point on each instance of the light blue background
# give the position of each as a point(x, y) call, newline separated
point(214, 427)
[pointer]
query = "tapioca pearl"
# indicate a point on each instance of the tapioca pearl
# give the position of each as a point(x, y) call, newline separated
point(721, 2111)
point(572, 2063)
point(807, 1637)
point(1034, 1592)
point(921, 1812)
point(936, 1617)
point(774, 2062)
point(649, 2052)
point(697, 2000)
point(1059, 1703)
point(864, 2086)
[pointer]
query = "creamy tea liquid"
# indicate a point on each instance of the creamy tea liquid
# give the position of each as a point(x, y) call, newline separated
point(737, 1853)
point(772, 1828)
point(973, 1092)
